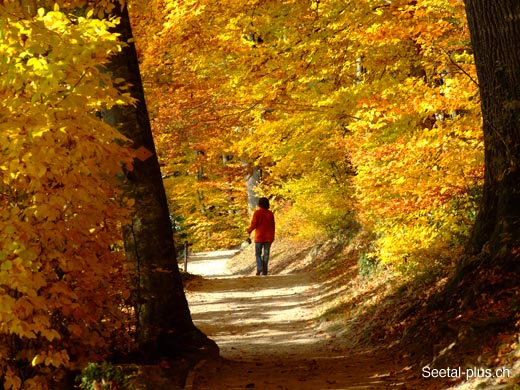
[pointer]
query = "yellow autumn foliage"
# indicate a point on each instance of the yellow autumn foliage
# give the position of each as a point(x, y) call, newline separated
point(62, 277)
point(360, 114)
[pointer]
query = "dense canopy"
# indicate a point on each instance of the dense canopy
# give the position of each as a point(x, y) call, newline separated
point(364, 113)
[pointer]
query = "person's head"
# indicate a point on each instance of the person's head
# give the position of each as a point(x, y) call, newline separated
point(263, 203)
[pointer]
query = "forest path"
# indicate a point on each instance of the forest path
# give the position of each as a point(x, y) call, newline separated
point(270, 338)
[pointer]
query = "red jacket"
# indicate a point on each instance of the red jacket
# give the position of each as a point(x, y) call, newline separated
point(263, 222)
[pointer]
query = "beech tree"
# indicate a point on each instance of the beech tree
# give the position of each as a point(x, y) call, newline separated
point(164, 325)
point(495, 28)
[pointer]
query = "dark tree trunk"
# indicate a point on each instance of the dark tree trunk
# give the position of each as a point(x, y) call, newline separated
point(165, 327)
point(495, 33)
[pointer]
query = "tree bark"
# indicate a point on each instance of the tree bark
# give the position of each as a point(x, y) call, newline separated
point(495, 31)
point(252, 178)
point(165, 327)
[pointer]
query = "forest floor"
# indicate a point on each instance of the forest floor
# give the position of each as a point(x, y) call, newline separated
point(315, 323)
point(273, 334)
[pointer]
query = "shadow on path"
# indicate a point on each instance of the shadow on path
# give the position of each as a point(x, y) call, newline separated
point(269, 335)
point(250, 317)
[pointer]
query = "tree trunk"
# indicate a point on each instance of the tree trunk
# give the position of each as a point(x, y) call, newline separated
point(165, 327)
point(495, 29)
point(252, 178)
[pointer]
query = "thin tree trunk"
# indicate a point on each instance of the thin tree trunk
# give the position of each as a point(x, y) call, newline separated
point(165, 327)
point(252, 178)
point(495, 28)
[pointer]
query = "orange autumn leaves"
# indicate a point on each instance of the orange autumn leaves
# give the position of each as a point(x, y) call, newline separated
point(367, 110)
point(420, 157)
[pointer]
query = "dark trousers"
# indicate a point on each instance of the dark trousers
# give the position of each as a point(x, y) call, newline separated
point(262, 256)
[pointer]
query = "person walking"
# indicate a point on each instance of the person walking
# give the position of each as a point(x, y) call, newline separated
point(264, 225)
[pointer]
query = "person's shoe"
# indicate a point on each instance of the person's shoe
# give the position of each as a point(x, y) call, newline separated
point(258, 273)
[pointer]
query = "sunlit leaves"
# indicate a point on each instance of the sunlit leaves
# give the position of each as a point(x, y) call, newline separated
point(361, 106)
point(61, 273)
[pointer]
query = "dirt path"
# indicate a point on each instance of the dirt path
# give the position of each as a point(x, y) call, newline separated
point(269, 336)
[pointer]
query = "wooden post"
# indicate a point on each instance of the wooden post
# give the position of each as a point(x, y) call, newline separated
point(185, 256)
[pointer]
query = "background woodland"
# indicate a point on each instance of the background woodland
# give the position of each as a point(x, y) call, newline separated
point(348, 116)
